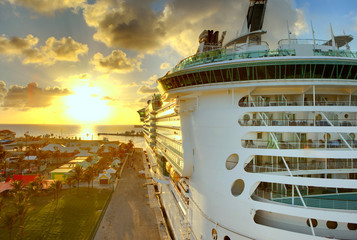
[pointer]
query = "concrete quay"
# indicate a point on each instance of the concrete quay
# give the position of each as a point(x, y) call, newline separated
point(133, 212)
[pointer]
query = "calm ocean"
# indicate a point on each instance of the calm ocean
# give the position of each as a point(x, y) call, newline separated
point(85, 132)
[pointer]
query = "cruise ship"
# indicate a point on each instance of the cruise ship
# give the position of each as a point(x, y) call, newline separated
point(247, 142)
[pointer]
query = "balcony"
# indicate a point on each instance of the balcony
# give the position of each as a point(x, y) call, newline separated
point(313, 144)
point(297, 122)
point(295, 103)
point(309, 167)
point(347, 201)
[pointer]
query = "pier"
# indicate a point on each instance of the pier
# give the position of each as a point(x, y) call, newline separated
point(126, 134)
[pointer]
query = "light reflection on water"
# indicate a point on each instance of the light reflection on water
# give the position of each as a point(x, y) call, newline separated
point(85, 132)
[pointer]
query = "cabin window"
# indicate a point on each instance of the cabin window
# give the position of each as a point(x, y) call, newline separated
point(331, 224)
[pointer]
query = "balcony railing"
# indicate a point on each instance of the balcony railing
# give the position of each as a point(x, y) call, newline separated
point(318, 165)
point(221, 55)
point(298, 122)
point(331, 201)
point(333, 144)
point(296, 103)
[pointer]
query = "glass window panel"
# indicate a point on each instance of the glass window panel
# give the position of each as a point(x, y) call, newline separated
point(328, 71)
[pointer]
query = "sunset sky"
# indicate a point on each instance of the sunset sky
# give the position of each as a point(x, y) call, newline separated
point(77, 61)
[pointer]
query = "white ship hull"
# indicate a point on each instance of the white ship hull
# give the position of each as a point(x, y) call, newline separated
point(255, 143)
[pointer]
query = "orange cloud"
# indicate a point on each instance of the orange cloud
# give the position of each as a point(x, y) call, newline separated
point(65, 49)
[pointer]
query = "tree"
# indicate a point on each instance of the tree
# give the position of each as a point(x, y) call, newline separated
point(69, 182)
point(22, 208)
point(8, 221)
point(57, 155)
point(56, 187)
point(2, 203)
point(32, 187)
point(39, 181)
point(91, 172)
point(78, 174)
point(17, 185)
point(21, 197)
point(3, 161)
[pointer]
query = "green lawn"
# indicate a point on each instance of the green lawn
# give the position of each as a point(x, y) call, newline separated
point(73, 216)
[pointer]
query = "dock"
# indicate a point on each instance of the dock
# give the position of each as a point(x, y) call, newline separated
point(123, 134)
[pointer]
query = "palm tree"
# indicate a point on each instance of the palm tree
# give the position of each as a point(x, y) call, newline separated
point(56, 186)
point(17, 185)
point(89, 175)
point(78, 174)
point(39, 181)
point(2, 203)
point(87, 178)
point(3, 161)
point(8, 221)
point(21, 211)
point(21, 197)
point(32, 187)
point(69, 182)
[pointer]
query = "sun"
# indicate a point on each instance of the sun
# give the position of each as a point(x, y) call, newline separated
point(86, 105)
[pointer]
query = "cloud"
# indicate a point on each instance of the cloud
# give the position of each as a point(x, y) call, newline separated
point(48, 7)
point(278, 14)
point(136, 25)
point(54, 50)
point(31, 96)
point(147, 90)
point(165, 65)
point(126, 24)
point(3, 91)
point(117, 61)
point(107, 98)
point(77, 77)
point(151, 80)
point(16, 45)
point(128, 85)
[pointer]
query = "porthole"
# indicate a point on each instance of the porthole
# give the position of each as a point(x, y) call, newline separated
point(214, 234)
point(232, 161)
point(346, 115)
point(331, 224)
point(226, 238)
point(246, 117)
point(313, 221)
point(237, 187)
point(352, 226)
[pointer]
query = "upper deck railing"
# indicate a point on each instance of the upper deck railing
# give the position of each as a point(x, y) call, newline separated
point(221, 55)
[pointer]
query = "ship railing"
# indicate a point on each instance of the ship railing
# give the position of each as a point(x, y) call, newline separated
point(335, 53)
point(313, 144)
point(222, 55)
point(183, 198)
point(317, 165)
point(330, 201)
point(296, 103)
point(301, 41)
point(297, 122)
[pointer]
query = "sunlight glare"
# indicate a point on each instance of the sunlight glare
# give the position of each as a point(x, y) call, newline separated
point(85, 105)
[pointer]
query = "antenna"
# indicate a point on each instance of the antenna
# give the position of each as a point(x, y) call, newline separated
point(347, 46)
point(313, 34)
point(287, 24)
point(333, 38)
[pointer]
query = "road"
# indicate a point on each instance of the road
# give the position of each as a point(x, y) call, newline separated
point(128, 215)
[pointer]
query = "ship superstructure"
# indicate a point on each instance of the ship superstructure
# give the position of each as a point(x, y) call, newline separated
point(253, 143)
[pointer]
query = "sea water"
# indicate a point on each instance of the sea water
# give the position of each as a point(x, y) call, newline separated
point(84, 132)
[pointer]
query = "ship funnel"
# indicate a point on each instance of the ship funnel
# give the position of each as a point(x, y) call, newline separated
point(255, 15)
